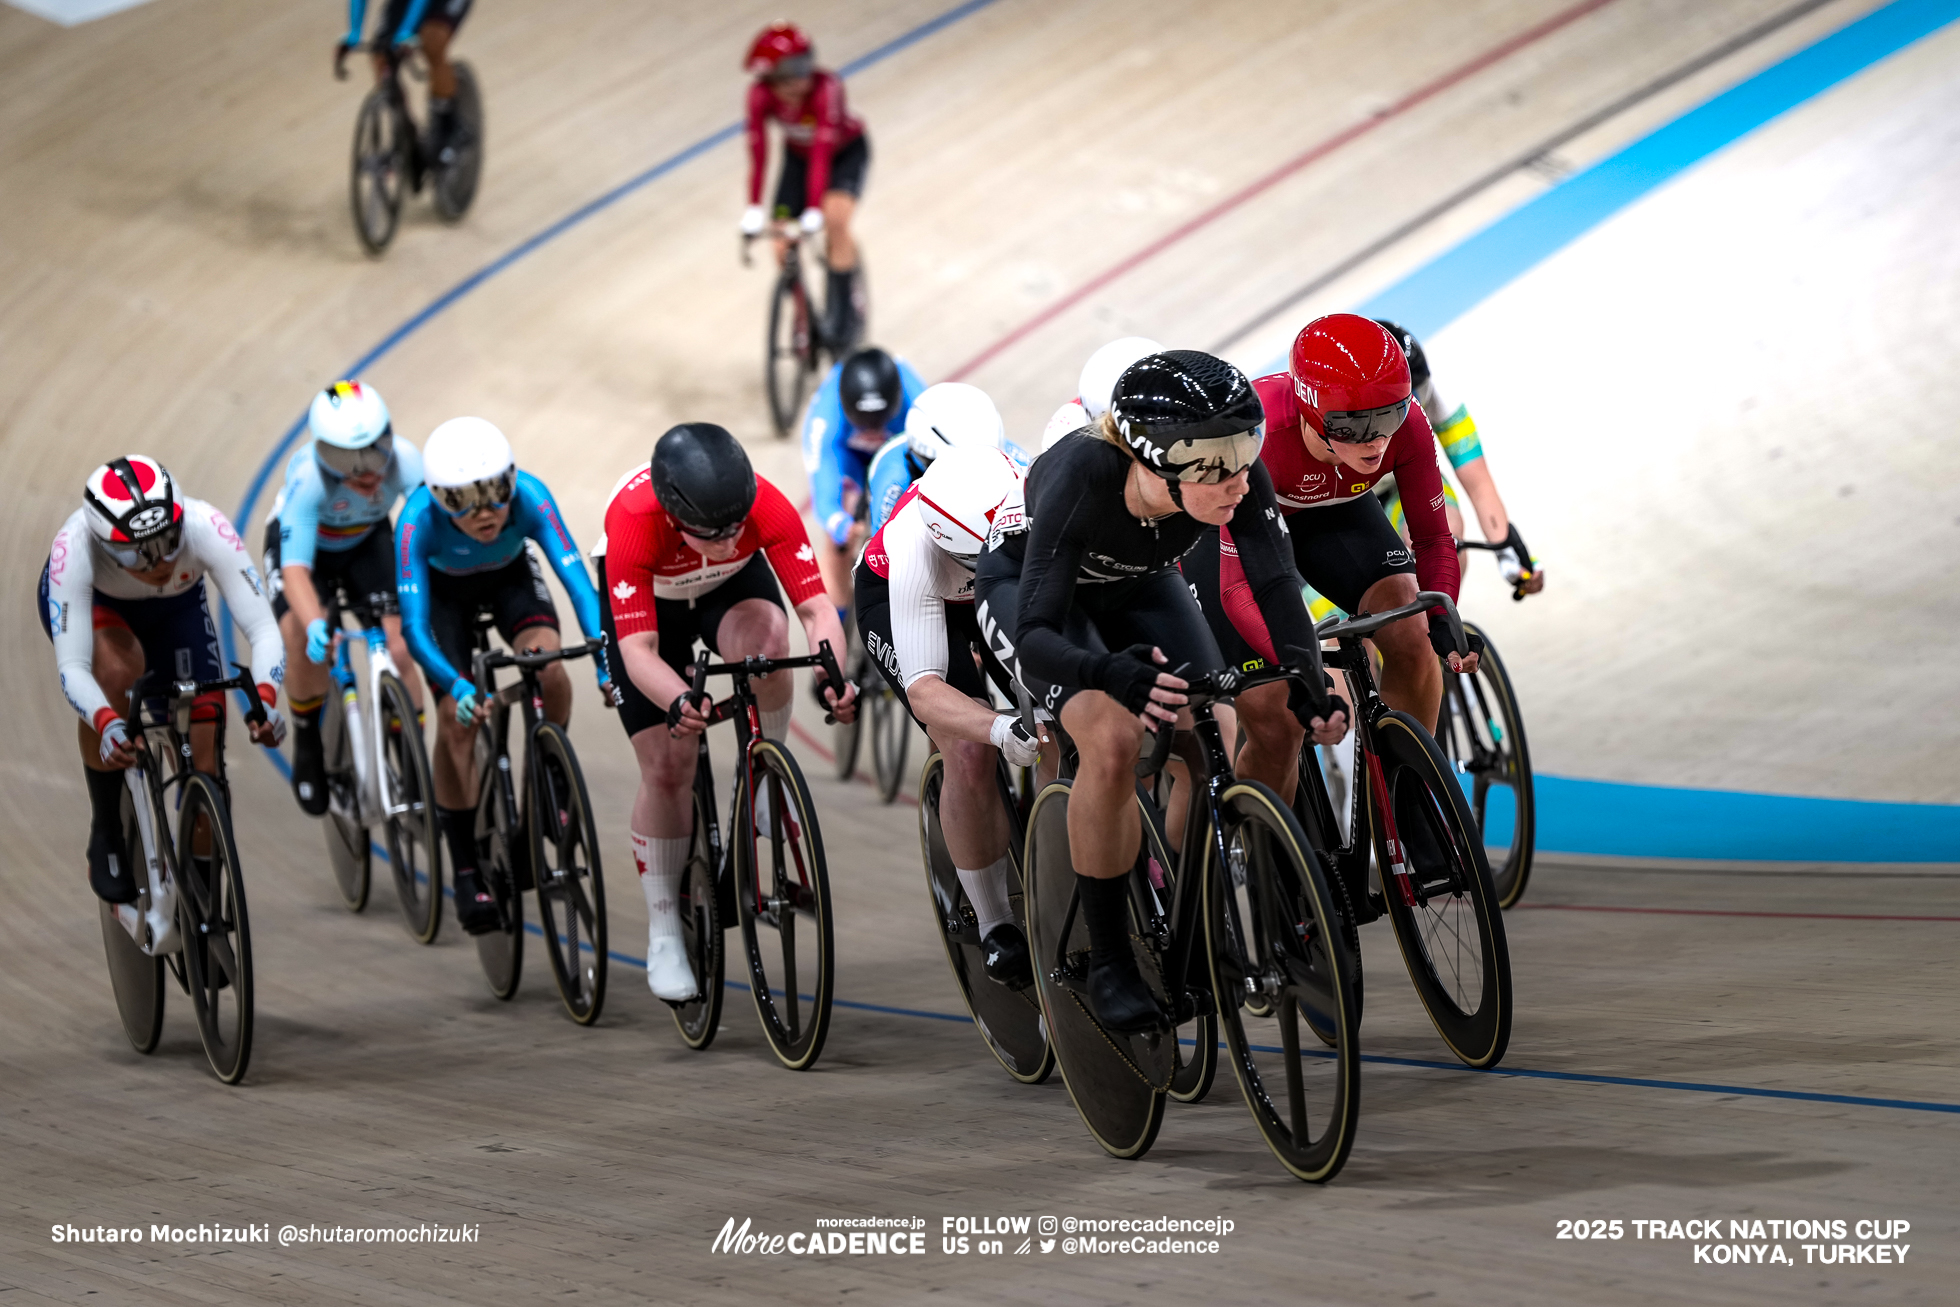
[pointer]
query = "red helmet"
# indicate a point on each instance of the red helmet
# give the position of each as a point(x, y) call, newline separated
point(779, 44)
point(1351, 378)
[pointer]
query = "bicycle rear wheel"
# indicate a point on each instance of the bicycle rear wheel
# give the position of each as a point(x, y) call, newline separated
point(570, 882)
point(216, 930)
point(845, 737)
point(455, 181)
point(891, 739)
point(783, 898)
point(701, 927)
point(500, 952)
point(135, 976)
point(380, 171)
point(788, 355)
point(408, 797)
point(1452, 934)
point(1271, 929)
point(1483, 736)
point(349, 851)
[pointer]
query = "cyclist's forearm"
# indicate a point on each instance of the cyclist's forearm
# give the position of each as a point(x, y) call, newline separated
point(356, 20)
point(820, 624)
point(648, 671)
point(948, 713)
point(1482, 489)
point(411, 22)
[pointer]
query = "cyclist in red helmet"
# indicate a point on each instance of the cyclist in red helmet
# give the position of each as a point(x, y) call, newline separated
point(825, 154)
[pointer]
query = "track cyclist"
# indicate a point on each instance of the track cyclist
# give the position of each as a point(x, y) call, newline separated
point(329, 528)
point(1088, 610)
point(1093, 387)
point(460, 548)
point(432, 23)
point(825, 155)
point(862, 403)
point(949, 415)
point(697, 546)
point(915, 611)
point(121, 594)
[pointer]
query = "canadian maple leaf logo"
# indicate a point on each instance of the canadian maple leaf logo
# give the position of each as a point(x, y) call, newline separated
point(805, 554)
point(625, 590)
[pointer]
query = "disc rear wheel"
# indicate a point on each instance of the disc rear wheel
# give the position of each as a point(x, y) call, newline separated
point(408, 798)
point(349, 851)
point(456, 177)
point(498, 843)
point(135, 976)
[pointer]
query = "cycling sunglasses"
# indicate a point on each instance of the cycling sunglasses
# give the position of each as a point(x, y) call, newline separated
point(368, 460)
point(1367, 425)
point(713, 535)
point(486, 493)
point(146, 554)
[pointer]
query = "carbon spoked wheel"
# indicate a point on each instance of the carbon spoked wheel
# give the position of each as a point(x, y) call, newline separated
point(1483, 738)
point(1452, 935)
point(701, 928)
point(1009, 1020)
point(789, 350)
point(782, 893)
point(456, 177)
point(408, 799)
point(349, 851)
point(891, 738)
point(1118, 1098)
point(135, 976)
point(500, 952)
point(1271, 929)
point(380, 171)
point(571, 885)
point(216, 931)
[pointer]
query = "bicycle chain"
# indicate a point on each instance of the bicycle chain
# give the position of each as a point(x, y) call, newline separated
point(1120, 1051)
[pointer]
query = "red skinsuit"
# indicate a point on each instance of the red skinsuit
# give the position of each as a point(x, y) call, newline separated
point(822, 125)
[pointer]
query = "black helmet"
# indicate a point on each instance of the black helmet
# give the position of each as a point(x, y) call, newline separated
point(701, 475)
point(1188, 416)
point(1418, 361)
point(870, 388)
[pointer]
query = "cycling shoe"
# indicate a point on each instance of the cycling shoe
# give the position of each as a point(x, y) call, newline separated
point(309, 770)
point(1121, 1001)
point(1007, 959)
point(668, 974)
point(110, 873)
point(476, 910)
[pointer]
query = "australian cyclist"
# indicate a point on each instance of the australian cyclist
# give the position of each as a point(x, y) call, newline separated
point(862, 403)
point(948, 415)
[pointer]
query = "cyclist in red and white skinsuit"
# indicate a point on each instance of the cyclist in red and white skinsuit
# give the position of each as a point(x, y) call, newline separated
point(697, 546)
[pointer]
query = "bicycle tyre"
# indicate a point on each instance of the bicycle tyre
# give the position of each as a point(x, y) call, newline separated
point(499, 952)
point(788, 354)
point(455, 185)
point(891, 739)
point(570, 881)
point(1456, 901)
point(1010, 1022)
point(380, 171)
point(1485, 739)
point(1271, 920)
point(136, 977)
point(847, 737)
point(414, 844)
point(702, 928)
point(216, 929)
point(762, 894)
point(349, 850)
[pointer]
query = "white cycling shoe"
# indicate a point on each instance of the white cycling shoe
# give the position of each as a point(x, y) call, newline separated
point(668, 974)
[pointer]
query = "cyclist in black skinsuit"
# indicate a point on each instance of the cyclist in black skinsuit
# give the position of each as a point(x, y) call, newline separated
point(1110, 510)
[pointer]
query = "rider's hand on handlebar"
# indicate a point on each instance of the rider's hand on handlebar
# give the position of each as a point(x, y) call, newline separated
point(319, 641)
point(1444, 644)
point(1012, 739)
point(468, 708)
point(843, 709)
point(1131, 678)
point(340, 53)
point(118, 750)
point(685, 717)
point(812, 221)
point(754, 221)
point(271, 732)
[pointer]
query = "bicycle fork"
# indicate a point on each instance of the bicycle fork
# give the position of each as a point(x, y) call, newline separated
point(154, 928)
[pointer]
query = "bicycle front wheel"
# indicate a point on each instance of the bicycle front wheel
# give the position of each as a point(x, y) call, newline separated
point(380, 170)
point(349, 851)
point(782, 892)
point(699, 1018)
point(1483, 737)
point(500, 952)
point(216, 931)
point(571, 884)
point(787, 357)
point(408, 798)
point(135, 976)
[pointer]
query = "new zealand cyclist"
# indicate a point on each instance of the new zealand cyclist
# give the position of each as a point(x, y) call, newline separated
point(915, 611)
point(1087, 604)
point(329, 528)
point(122, 594)
point(825, 155)
point(862, 403)
point(697, 546)
point(1093, 387)
point(949, 415)
point(460, 549)
point(403, 22)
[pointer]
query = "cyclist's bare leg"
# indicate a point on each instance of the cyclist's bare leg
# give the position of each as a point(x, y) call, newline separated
point(840, 247)
point(1102, 810)
point(454, 758)
point(756, 626)
point(435, 36)
point(411, 675)
point(1273, 736)
point(553, 682)
point(306, 680)
point(970, 812)
point(1412, 679)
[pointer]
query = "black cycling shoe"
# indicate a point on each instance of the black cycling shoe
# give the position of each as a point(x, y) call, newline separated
point(1121, 1001)
point(1008, 962)
point(309, 770)
point(110, 874)
point(476, 910)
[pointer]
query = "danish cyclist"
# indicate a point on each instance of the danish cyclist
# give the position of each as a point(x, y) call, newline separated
point(1093, 387)
point(122, 594)
point(1088, 610)
point(825, 155)
point(862, 403)
point(697, 547)
point(433, 23)
point(949, 415)
point(329, 530)
point(460, 550)
point(915, 611)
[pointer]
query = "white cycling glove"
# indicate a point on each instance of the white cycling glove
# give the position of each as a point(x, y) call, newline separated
point(1012, 739)
point(115, 734)
point(754, 220)
point(278, 725)
point(811, 221)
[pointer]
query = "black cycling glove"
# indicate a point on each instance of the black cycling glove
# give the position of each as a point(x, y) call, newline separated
point(1127, 676)
point(1444, 644)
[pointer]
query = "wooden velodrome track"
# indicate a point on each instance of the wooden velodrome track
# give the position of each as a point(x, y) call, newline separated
point(179, 275)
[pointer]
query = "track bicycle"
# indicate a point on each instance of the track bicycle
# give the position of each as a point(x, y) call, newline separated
point(190, 912)
point(391, 153)
point(378, 773)
point(1482, 734)
point(799, 330)
point(880, 715)
point(769, 877)
point(1250, 891)
point(541, 837)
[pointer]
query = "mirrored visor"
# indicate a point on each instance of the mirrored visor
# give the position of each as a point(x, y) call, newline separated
point(1364, 425)
point(487, 492)
point(1217, 458)
point(345, 463)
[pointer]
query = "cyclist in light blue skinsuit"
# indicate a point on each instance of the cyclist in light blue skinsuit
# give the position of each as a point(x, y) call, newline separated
point(861, 404)
point(434, 22)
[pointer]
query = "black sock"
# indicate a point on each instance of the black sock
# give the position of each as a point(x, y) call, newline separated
point(459, 829)
point(105, 791)
point(1106, 911)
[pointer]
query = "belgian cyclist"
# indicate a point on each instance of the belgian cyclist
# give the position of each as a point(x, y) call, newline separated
point(915, 611)
point(697, 547)
point(329, 529)
point(404, 22)
point(460, 550)
point(825, 155)
point(1088, 610)
point(862, 403)
point(1093, 387)
point(122, 594)
point(948, 415)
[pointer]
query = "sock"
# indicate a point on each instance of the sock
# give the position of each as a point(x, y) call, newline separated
point(1106, 911)
point(661, 864)
point(986, 889)
point(459, 830)
point(105, 791)
point(305, 713)
point(775, 721)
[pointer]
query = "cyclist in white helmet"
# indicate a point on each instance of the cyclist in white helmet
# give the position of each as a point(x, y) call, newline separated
point(1093, 387)
point(950, 415)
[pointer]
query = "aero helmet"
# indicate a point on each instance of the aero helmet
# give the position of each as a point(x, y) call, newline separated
point(352, 433)
point(951, 415)
point(134, 512)
point(468, 465)
point(781, 50)
point(702, 477)
point(869, 384)
point(1351, 378)
point(1188, 416)
point(968, 493)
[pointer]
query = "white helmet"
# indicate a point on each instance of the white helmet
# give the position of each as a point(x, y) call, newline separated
point(1069, 419)
point(468, 466)
point(966, 494)
point(1099, 374)
point(352, 432)
point(952, 415)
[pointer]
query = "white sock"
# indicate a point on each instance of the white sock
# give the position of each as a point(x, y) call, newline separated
point(661, 863)
point(987, 891)
point(775, 721)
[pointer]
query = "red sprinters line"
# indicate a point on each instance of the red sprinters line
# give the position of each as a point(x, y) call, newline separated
point(1717, 912)
point(1319, 151)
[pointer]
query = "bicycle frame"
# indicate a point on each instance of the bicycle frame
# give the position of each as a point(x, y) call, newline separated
point(362, 720)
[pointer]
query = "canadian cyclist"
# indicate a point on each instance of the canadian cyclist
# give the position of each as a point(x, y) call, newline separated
point(697, 547)
point(1088, 610)
point(825, 155)
point(948, 415)
point(329, 529)
point(862, 403)
point(122, 594)
point(433, 23)
point(915, 611)
point(460, 550)
point(1093, 387)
